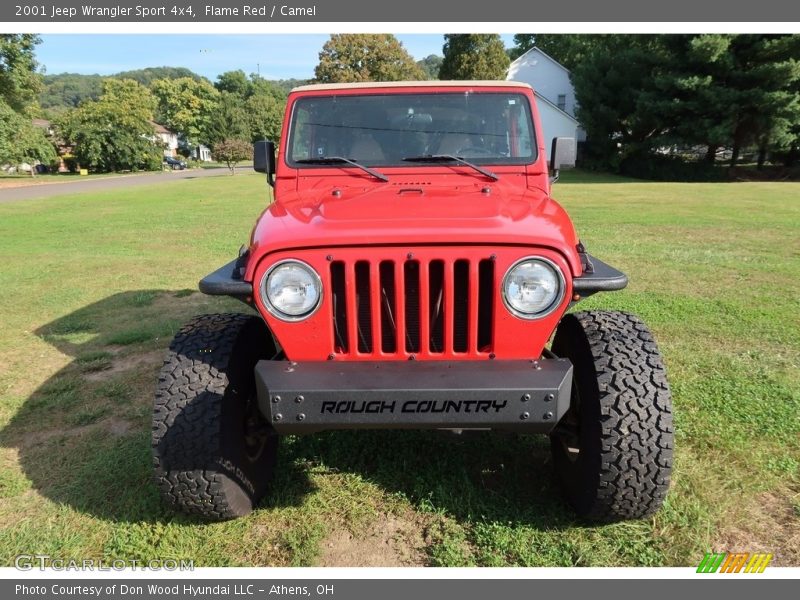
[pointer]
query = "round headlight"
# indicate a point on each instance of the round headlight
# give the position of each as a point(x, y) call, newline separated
point(291, 290)
point(533, 287)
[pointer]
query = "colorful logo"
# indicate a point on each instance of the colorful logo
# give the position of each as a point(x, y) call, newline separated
point(734, 562)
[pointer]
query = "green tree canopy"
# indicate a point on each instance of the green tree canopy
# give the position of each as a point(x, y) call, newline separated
point(114, 132)
point(229, 120)
point(264, 116)
point(253, 107)
point(185, 105)
point(430, 65)
point(148, 75)
point(232, 151)
point(351, 57)
point(68, 90)
point(263, 87)
point(639, 93)
point(234, 82)
point(611, 89)
point(21, 141)
point(20, 81)
point(567, 49)
point(474, 56)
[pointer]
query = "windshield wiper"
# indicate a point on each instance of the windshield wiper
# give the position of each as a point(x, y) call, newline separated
point(435, 158)
point(331, 160)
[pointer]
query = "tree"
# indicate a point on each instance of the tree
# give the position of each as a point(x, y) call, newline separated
point(612, 86)
point(430, 65)
point(353, 57)
point(68, 90)
point(522, 43)
point(228, 121)
point(262, 87)
point(114, 132)
point(185, 105)
point(723, 90)
point(765, 104)
point(287, 85)
point(232, 151)
point(21, 141)
point(474, 56)
point(691, 92)
point(148, 75)
point(253, 108)
point(20, 82)
point(567, 49)
point(233, 82)
point(264, 116)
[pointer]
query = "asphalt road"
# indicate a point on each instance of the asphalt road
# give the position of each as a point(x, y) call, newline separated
point(77, 186)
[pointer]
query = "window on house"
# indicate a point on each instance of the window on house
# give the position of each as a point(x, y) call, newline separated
point(562, 101)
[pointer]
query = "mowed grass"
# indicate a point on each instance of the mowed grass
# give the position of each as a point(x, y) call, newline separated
point(94, 287)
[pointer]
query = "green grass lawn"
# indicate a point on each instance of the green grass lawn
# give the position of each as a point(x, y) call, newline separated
point(94, 286)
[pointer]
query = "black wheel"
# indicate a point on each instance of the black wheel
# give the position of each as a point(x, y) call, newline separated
point(612, 451)
point(213, 452)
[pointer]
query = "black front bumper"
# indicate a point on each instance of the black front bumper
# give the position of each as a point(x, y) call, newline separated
point(227, 281)
point(526, 396)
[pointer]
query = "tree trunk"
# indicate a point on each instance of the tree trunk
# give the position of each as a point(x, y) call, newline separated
point(791, 157)
point(734, 155)
point(711, 154)
point(762, 155)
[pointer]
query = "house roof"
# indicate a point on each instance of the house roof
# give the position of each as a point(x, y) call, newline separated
point(543, 53)
point(160, 128)
point(41, 123)
point(393, 84)
point(540, 98)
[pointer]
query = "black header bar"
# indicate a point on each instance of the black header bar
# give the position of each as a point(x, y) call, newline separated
point(407, 11)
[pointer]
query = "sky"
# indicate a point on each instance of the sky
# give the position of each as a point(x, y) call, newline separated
point(275, 56)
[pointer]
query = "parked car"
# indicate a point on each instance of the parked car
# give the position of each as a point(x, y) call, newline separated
point(174, 163)
point(414, 272)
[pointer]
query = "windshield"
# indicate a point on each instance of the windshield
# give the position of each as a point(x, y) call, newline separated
point(382, 130)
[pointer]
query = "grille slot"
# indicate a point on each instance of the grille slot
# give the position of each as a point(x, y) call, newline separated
point(461, 301)
point(411, 270)
point(436, 301)
point(340, 338)
point(363, 307)
point(426, 306)
point(485, 304)
point(388, 308)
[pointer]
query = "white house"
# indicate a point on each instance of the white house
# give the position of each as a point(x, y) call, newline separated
point(168, 138)
point(202, 153)
point(554, 93)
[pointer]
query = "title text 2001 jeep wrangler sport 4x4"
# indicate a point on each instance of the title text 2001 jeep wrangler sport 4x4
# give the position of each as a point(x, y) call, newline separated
point(409, 274)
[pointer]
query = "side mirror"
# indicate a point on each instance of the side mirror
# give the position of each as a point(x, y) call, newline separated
point(264, 159)
point(562, 155)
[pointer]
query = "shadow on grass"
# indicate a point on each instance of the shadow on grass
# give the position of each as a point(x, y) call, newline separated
point(83, 437)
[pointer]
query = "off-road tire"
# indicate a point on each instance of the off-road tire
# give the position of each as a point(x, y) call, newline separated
point(621, 416)
point(203, 398)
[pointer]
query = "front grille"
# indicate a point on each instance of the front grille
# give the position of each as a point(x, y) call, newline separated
point(430, 307)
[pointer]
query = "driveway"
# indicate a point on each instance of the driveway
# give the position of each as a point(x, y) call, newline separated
point(78, 186)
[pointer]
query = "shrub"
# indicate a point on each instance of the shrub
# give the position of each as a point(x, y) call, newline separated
point(667, 168)
point(231, 151)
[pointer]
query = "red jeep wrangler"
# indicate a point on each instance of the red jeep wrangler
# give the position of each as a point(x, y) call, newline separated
point(410, 274)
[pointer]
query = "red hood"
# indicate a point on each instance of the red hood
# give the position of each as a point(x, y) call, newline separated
point(412, 213)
